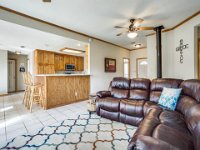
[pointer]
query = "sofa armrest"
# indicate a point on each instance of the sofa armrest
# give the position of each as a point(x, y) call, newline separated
point(150, 143)
point(102, 94)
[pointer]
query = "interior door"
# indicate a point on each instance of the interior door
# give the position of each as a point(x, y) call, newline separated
point(11, 76)
point(142, 68)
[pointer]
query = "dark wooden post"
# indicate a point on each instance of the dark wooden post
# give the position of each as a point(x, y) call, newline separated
point(159, 50)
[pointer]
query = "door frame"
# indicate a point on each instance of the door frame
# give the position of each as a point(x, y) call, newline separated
point(198, 50)
point(129, 67)
point(15, 74)
point(137, 59)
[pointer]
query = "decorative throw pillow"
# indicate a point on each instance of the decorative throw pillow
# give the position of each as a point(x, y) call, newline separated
point(169, 98)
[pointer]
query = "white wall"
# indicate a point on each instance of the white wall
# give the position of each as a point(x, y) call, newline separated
point(98, 50)
point(141, 53)
point(19, 59)
point(3, 72)
point(170, 40)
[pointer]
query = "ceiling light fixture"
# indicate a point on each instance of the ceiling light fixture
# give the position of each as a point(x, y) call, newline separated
point(79, 44)
point(71, 50)
point(18, 52)
point(138, 45)
point(132, 34)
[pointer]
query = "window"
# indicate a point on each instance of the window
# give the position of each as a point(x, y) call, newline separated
point(126, 67)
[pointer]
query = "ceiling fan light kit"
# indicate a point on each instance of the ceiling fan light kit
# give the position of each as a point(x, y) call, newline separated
point(132, 34)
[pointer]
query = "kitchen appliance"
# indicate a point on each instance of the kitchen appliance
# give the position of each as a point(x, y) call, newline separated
point(69, 68)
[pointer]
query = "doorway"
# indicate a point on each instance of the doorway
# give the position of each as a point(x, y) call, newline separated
point(11, 75)
point(126, 62)
point(141, 67)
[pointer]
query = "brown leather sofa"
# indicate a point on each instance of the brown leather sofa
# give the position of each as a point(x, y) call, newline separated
point(134, 102)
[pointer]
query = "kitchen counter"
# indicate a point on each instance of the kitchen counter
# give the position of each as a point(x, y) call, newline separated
point(62, 89)
point(53, 75)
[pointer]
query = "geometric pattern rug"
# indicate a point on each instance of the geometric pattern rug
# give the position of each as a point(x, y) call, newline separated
point(85, 132)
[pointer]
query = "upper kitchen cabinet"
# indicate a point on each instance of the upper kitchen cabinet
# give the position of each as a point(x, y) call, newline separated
point(44, 62)
point(49, 62)
point(59, 62)
point(48, 58)
point(79, 63)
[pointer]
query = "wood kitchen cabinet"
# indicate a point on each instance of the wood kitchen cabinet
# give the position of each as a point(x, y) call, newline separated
point(79, 63)
point(48, 58)
point(44, 62)
point(59, 62)
point(62, 90)
point(48, 62)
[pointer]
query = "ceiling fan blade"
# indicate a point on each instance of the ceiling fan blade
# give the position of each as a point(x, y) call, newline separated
point(137, 22)
point(118, 27)
point(47, 1)
point(122, 33)
point(119, 34)
point(145, 28)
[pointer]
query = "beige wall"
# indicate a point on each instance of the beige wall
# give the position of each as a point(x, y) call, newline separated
point(170, 41)
point(19, 60)
point(3, 72)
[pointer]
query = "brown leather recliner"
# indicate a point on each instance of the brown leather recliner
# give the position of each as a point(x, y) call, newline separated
point(135, 102)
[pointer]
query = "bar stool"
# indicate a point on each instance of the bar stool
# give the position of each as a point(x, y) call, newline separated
point(27, 91)
point(34, 93)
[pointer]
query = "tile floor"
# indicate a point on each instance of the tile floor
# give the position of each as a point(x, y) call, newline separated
point(16, 120)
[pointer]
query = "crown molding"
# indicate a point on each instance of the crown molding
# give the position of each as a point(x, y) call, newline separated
point(57, 26)
point(138, 48)
point(179, 24)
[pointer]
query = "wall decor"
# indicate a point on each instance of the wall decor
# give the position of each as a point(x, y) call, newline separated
point(110, 65)
point(180, 48)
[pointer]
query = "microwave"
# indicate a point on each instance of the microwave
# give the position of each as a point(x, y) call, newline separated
point(69, 67)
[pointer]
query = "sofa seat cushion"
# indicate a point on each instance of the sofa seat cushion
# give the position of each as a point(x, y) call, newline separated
point(109, 104)
point(131, 111)
point(167, 126)
point(174, 120)
point(174, 137)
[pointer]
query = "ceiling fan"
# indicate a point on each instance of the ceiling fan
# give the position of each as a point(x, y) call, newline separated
point(48, 1)
point(133, 28)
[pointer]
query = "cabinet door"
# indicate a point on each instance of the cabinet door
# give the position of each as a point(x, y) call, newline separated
point(61, 63)
point(49, 69)
point(48, 58)
point(77, 63)
point(51, 58)
point(82, 87)
point(39, 57)
point(72, 60)
point(81, 64)
point(66, 59)
point(56, 57)
point(40, 69)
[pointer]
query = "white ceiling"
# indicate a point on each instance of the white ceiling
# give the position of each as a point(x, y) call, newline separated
point(98, 17)
point(13, 36)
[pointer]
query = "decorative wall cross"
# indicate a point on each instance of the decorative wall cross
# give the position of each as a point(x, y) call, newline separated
point(181, 48)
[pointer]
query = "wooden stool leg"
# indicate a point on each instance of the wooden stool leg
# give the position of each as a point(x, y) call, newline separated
point(41, 97)
point(31, 99)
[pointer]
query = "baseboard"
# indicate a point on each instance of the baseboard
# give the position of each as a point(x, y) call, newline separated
point(3, 94)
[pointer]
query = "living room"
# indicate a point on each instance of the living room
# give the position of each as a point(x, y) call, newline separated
point(93, 68)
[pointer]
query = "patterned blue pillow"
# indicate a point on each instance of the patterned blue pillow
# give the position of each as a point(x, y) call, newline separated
point(169, 98)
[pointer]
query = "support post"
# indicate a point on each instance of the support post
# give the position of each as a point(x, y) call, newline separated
point(159, 50)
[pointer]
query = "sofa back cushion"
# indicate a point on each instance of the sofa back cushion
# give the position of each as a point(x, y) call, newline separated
point(139, 89)
point(157, 86)
point(120, 87)
point(189, 106)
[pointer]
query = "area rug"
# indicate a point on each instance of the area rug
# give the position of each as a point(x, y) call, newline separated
point(84, 132)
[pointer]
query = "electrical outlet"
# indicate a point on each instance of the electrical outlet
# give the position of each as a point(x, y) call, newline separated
point(76, 94)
